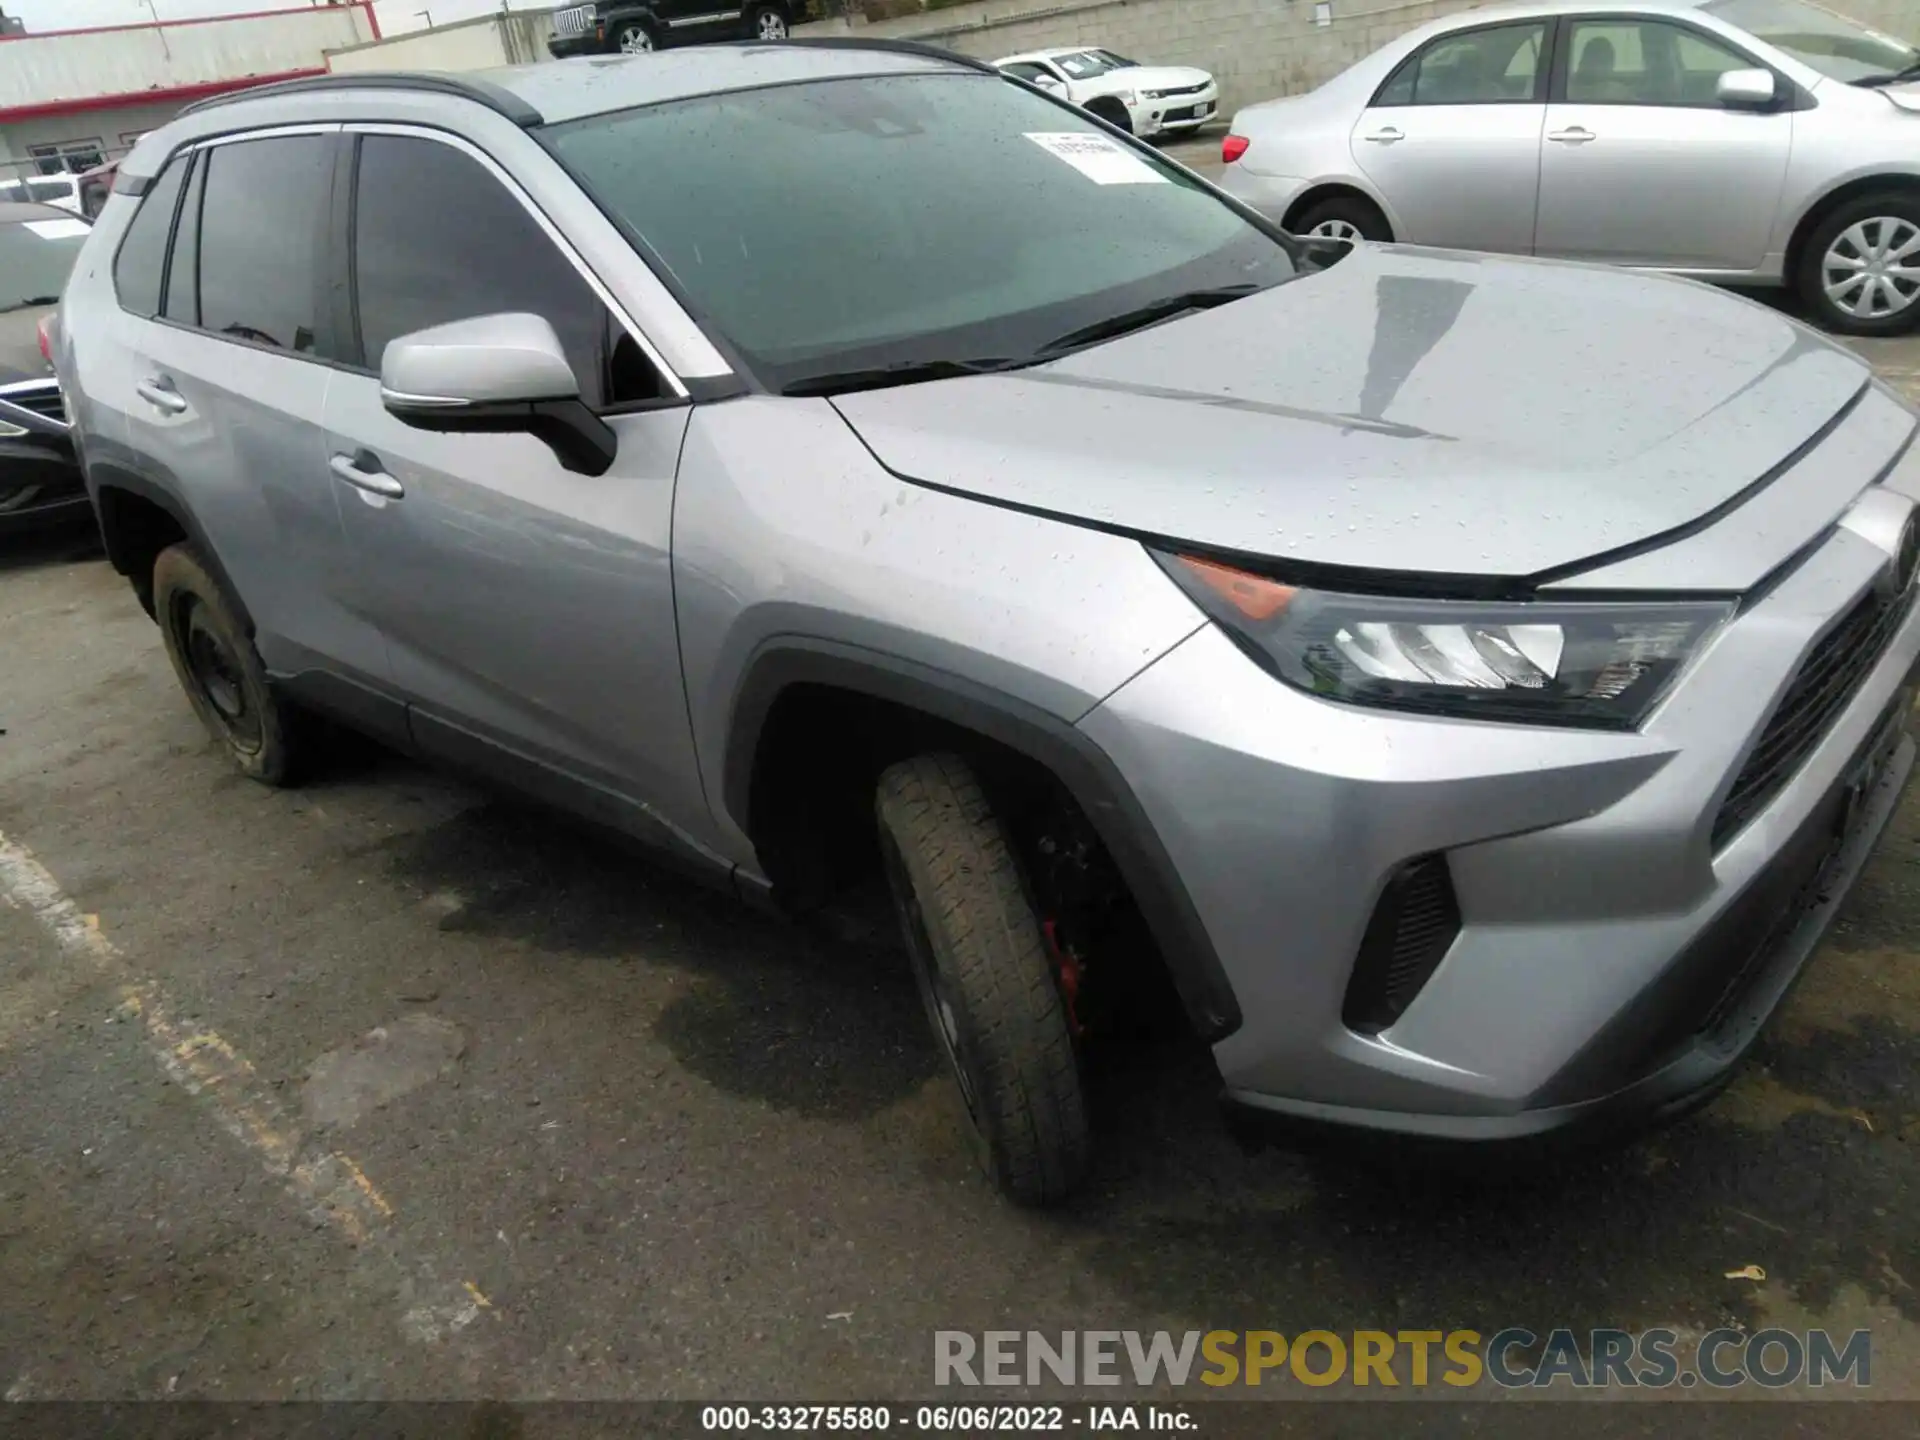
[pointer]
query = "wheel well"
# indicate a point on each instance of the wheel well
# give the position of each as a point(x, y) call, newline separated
point(810, 814)
point(136, 530)
point(1107, 107)
point(1322, 193)
point(1827, 204)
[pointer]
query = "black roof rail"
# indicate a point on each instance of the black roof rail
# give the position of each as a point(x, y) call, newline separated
point(883, 46)
point(481, 92)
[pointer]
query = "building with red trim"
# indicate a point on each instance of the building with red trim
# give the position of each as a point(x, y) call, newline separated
point(70, 99)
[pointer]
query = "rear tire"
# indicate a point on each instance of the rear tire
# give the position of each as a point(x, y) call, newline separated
point(1344, 217)
point(634, 38)
point(217, 665)
point(767, 23)
point(1847, 282)
point(985, 975)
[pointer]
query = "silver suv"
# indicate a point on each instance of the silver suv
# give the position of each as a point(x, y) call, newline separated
point(1478, 679)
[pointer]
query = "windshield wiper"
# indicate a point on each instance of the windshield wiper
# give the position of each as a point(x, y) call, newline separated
point(30, 302)
point(1114, 326)
point(904, 372)
point(1895, 77)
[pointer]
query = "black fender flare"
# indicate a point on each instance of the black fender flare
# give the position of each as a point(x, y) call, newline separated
point(1089, 775)
point(620, 15)
point(102, 477)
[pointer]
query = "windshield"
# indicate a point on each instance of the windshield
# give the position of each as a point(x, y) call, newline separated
point(35, 258)
point(892, 221)
point(1835, 47)
point(1085, 64)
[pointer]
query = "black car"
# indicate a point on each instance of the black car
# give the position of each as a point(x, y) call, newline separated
point(39, 476)
point(614, 27)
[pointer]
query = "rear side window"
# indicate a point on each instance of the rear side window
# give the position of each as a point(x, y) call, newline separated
point(438, 239)
point(262, 228)
point(143, 249)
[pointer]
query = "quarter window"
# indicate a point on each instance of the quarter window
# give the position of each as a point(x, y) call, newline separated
point(1499, 65)
point(143, 250)
point(183, 275)
point(438, 239)
point(1646, 62)
point(262, 223)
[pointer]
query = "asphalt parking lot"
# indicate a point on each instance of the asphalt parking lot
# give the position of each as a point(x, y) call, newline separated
point(385, 1088)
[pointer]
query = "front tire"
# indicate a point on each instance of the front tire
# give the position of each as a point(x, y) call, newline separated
point(1111, 111)
point(985, 975)
point(1860, 274)
point(216, 663)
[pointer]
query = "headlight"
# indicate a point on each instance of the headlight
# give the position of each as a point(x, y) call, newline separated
point(1542, 662)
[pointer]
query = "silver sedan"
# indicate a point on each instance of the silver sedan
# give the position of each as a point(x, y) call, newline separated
point(1763, 142)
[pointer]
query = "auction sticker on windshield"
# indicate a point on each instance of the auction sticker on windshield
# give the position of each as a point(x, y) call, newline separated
point(57, 229)
point(1098, 158)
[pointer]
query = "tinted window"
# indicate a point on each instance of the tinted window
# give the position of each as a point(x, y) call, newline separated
point(262, 223)
point(1645, 62)
point(143, 250)
point(1496, 66)
point(1026, 70)
point(898, 219)
point(437, 239)
point(183, 276)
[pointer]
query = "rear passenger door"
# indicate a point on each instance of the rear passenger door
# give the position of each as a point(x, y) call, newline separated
point(528, 609)
point(231, 367)
point(1452, 139)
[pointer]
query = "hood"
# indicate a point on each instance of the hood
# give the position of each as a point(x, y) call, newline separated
point(1160, 77)
point(1410, 411)
point(20, 357)
point(1904, 97)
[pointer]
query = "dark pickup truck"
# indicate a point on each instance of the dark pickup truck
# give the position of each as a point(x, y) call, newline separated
point(632, 27)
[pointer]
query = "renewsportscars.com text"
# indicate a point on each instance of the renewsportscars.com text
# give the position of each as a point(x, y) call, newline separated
point(1513, 1358)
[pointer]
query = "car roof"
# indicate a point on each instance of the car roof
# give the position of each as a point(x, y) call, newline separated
point(13, 212)
point(1527, 9)
point(556, 91)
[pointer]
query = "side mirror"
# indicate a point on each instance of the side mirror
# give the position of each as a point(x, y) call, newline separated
point(499, 374)
point(1746, 89)
point(1049, 84)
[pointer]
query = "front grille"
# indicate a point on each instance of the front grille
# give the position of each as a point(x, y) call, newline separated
point(1179, 90)
point(577, 21)
point(1829, 679)
point(1412, 928)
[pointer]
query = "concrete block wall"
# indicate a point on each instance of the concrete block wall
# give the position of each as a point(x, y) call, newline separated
point(1258, 49)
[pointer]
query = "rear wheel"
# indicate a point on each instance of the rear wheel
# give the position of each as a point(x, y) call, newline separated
point(222, 673)
point(769, 22)
point(633, 38)
point(1860, 274)
point(1344, 217)
point(986, 976)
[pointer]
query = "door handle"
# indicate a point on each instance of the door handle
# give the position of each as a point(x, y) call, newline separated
point(1572, 135)
point(1387, 135)
point(362, 471)
point(159, 393)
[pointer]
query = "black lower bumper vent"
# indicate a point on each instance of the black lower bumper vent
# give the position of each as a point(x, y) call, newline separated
point(1413, 927)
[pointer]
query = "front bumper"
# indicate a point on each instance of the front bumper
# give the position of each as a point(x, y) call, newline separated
point(564, 47)
point(1177, 114)
point(1609, 962)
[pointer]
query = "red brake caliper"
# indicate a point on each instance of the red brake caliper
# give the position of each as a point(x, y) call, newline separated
point(1066, 966)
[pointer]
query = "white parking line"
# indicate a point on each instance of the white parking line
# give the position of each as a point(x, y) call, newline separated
point(328, 1184)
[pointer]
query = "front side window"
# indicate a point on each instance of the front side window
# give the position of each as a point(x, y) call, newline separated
point(905, 219)
point(1496, 66)
point(142, 259)
point(1026, 70)
point(1820, 39)
point(36, 256)
point(438, 239)
point(262, 223)
point(1645, 62)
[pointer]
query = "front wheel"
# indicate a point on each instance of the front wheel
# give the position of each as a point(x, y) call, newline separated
point(985, 975)
point(1111, 111)
point(769, 22)
point(1860, 274)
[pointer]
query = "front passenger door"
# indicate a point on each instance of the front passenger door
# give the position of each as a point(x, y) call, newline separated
point(528, 610)
point(1452, 140)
